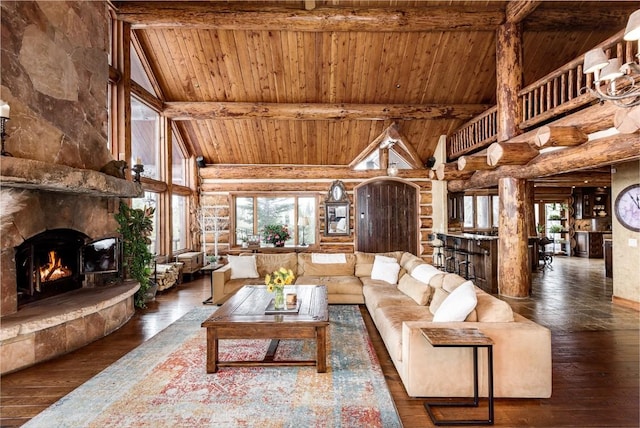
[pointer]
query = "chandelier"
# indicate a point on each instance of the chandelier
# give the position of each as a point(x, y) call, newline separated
point(614, 81)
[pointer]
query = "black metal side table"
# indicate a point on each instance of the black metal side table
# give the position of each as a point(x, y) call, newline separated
point(463, 338)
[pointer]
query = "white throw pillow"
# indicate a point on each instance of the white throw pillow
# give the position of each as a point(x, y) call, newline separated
point(385, 269)
point(243, 267)
point(458, 304)
point(425, 272)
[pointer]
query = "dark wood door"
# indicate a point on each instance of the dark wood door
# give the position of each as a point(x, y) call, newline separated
point(387, 217)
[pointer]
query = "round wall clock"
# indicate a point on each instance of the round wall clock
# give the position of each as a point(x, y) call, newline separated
point(627, 207)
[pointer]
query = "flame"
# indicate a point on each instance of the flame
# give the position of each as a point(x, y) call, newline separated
point(54, 269)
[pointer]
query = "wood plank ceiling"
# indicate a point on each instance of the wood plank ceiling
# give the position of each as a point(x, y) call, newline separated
point(273, 83)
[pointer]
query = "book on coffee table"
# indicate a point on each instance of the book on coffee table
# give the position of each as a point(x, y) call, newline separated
point(288, 309)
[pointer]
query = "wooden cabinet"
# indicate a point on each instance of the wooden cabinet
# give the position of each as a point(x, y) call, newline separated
point(592, 202)
point(589, 244)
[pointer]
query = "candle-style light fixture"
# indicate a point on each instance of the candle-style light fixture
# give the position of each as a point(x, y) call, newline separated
point(614, 81)
point(4, 117)
point(137, 169)
point(392, 170)
point(303, 222)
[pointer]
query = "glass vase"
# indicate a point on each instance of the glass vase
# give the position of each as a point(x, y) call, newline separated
point(278, 298)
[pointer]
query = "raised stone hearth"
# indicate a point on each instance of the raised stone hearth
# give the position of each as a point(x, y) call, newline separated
point(62, 324)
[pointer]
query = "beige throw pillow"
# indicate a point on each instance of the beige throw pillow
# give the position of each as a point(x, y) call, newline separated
point(418, 291)
point(243, 267)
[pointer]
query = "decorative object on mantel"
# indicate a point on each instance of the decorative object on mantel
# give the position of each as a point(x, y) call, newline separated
point(276, 234)
point(4, 117)
point(137, 169)
point(135, 225)
point(275, 283)
point(115, 168)
point(622, 85)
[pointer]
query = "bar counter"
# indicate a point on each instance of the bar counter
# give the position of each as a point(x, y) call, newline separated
point(483, 255)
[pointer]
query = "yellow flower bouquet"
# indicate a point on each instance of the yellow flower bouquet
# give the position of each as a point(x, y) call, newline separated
point(276, 281)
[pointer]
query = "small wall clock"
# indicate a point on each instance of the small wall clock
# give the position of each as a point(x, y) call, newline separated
point(627, 207)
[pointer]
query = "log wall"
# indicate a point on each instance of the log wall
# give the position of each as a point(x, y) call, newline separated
point(218, 192)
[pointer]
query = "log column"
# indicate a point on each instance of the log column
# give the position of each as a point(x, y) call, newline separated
point(514, 274)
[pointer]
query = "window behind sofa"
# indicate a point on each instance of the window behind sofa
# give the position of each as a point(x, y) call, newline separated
point(253, 213)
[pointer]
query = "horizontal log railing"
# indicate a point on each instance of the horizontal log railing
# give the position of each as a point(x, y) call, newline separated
point(557, 93)
point(475, 135)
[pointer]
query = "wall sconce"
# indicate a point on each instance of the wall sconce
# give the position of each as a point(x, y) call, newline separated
point(200, 162)
point(392, 170)
point(4, 117)
point(620, 80)
point(137, 169)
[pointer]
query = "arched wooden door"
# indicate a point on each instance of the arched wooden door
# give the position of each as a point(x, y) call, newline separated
point(386, 216)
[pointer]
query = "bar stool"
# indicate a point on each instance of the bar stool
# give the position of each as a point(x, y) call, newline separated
point(464, 265)
point(438, 255)
point(449, 254)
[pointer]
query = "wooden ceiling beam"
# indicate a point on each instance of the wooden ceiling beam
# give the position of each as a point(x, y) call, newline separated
point(592, 154)
point(592, 17)
point(297, 172)
point(306, 111)
point(264, 17)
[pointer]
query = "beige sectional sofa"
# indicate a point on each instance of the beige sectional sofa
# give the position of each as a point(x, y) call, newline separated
point(522, 348)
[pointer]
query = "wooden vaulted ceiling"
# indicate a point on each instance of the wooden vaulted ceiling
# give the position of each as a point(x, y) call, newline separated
point(315, 82)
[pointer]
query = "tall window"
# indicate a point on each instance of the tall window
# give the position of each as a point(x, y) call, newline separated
point(253, 213)
point(177, 162)
point(179, 220)
point(145, 138)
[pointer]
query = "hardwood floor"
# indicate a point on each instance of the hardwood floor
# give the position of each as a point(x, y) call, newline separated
point(596, 356)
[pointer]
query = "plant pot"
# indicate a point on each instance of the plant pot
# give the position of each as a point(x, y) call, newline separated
point(150, 294)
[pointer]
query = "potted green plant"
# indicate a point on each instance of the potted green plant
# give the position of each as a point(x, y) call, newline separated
point(555, 229)
point(135, 226)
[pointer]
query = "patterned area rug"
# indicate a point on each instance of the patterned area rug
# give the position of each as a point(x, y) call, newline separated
point(163, 383)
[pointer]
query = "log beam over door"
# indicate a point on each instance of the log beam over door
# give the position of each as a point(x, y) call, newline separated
point(305, 111)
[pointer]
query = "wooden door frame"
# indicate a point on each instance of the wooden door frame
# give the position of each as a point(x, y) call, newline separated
point(356, 210)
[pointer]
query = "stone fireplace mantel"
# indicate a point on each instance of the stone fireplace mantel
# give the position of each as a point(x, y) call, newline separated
point(33, 174)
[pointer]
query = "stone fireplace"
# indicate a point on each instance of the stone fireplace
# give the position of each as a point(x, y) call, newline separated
point(57, 293)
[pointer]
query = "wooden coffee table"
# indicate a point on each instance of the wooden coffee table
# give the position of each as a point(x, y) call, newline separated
point(243, 317)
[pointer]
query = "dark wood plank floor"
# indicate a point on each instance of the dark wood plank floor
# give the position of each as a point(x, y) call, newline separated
point(596, 356)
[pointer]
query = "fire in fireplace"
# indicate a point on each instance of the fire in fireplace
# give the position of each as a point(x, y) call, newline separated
point(56, 261)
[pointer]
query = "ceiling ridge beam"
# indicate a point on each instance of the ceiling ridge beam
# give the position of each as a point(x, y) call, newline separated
point(205, 15)
point(179, 110)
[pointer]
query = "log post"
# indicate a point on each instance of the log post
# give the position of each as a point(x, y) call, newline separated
point(549, 136)
point(508, 79)
point(514, 273)
point(510, 154)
